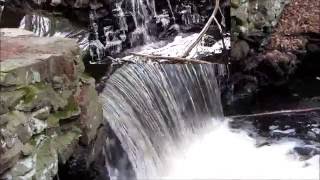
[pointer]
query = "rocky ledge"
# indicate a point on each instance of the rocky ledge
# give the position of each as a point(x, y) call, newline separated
point(49, 107)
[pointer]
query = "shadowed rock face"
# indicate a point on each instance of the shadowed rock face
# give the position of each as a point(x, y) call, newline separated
point(274, 48)
point(47, 105)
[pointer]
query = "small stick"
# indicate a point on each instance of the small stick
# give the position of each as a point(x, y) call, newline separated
point(276, 112)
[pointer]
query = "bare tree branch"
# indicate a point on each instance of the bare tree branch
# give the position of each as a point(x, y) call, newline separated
point(203, 31)
point(173, 59)
point(276, 112)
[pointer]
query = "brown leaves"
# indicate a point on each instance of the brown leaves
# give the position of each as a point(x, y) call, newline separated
point(298, 17)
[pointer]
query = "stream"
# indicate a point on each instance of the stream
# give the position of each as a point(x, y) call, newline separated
point(169, 118)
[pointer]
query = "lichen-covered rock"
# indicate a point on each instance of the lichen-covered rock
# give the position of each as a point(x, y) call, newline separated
point(46, 105)
point(17, 126)
point(9, 99)
point(255, 16)
point(24, 168)
point(10, 153)
point(46, 160)
point(42, 113)
point(65, 144)
point(27, 59)
point(39, 96)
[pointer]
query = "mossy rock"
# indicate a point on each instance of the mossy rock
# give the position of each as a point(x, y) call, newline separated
point(40, 95)
point(46, 160)
point(66, 142)
point(70, 110)
point(10, 99)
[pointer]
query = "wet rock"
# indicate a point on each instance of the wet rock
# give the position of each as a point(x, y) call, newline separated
point(66, 143)
point(306, 152)
point(28, 149)
point(42, 113)
point(9, 99)
point(91, 112)
point(240, 50)
point(86, 161)
point(47, 104)
point(57, 82)
point(24, 168)
point(17, 126)
point(256, 15)
point(46, 161)
point(28, 59)
point(9, 154)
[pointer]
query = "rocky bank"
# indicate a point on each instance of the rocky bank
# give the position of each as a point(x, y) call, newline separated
point(274, 54)
point(49, 108)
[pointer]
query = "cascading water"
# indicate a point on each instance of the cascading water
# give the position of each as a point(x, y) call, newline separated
point(48, 26)
point(154, 108)
point(168, 120)
point(142, 13)
point(171, 10)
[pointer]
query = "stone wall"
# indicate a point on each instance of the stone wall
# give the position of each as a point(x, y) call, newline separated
point(48, 107)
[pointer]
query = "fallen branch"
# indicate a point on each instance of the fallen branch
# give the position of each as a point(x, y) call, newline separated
point(172, 59)
point(203, 31)
point(276, 112)
point(220, 30)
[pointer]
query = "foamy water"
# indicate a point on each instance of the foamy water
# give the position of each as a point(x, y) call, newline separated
point(224, 154)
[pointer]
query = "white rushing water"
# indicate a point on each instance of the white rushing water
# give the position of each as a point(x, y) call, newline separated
point(221, 153)
point(177, 47)
point(225, 154)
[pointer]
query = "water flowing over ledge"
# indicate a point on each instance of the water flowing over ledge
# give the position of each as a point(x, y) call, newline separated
point(153, 109)
point(169, 121)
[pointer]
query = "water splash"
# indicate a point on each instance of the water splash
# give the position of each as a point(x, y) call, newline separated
point(225, 154)
point(168, 119)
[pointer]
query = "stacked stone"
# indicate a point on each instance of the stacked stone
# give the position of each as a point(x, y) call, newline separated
point(48, 106)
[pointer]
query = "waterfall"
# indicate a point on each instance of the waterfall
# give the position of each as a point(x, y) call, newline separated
point(171, 10)
point(142, 13)
point(153, 109)
point(49, 25)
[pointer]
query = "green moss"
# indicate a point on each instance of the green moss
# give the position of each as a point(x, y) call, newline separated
point(53, 121)
point(31, 91)
point(64, 143)
point(68, 111)
point(85, 76)
point(47, 160)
